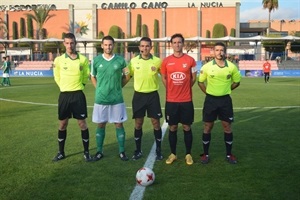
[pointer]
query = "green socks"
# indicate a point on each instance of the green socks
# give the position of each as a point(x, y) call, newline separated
point(120, 133)
point(100, 135)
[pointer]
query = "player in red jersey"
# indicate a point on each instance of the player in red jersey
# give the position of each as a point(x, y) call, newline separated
point(179, 75)
point(267, 70)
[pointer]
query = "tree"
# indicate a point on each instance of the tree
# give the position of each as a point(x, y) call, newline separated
point(232, 34)
point(22, 28)
point(41, 15)
point(133, 47)
point(189, 46)
point(271, 5)
point(274, 47)
point(116, 32)
point(145, 31)
point(29, 28)
point(219, 30)
point(3, 29)
point(15, 31)
point(97, 45)
point(295, 45)
point(156, 35)
point(138, 31)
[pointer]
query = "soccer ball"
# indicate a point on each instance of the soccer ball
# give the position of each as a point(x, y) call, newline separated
point(145, 176)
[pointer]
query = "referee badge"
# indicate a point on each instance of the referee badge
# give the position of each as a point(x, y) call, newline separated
point(80, 68)
point(229, 76)
point(153, 68)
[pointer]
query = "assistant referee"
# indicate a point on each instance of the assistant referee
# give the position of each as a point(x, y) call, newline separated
point(71, 73)
point(217, 79)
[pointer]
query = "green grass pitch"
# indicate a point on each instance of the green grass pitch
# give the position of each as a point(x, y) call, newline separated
point(266, 143)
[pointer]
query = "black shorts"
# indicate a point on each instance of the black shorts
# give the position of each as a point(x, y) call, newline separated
point(72, 104)
point(217, 107)
point(149, 102)
point(179, 113)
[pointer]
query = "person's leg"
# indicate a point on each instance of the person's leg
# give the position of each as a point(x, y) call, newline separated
point(138, 133)
point(100, 136)
point(172, 143)
point(8, 81)
point(85, 139)
point(188, 138)
point(158, 137)
point(120, 134)
point(61, 137)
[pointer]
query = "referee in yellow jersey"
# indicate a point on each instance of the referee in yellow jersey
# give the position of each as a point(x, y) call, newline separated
point(145, 68)
point(71, 73)
point(217, 79)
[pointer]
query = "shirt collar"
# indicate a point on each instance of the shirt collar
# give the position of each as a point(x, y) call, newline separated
point(67, 56)
point(150, 57)
point(215, 63)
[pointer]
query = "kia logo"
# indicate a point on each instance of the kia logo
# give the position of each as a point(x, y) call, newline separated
point(177, 76)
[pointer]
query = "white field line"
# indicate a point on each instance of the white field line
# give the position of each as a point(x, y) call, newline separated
point(138, 191)
point(237, 108)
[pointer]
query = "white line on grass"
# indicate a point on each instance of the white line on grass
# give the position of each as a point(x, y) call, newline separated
point(237, 108)
point(138, 192)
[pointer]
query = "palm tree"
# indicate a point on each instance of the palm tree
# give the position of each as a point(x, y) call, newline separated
point(3, 29)
point(271, 5)
point(41, 16)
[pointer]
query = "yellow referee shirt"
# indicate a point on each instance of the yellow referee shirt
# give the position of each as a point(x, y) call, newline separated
point(145, 73)
point(219, 79)
point(71, 74)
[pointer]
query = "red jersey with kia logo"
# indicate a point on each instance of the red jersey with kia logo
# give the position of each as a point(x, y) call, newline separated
point(178, 72)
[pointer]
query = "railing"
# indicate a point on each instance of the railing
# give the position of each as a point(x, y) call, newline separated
point(256, 64)
point(34, 65)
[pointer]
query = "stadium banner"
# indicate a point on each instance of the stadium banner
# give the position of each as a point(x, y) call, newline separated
point(30, 73)
point(247, 73)
point(275, 73)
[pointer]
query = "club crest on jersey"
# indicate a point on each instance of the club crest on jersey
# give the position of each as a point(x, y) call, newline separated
point(100, 65)
point(184, 65)
point(153, 68)
point(177, 76)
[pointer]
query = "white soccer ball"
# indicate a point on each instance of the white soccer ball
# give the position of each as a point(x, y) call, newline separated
point(145, 176)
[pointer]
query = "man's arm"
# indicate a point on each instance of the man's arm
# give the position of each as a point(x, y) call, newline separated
point(194, 75)
point(235, 85)
point(86, 71)
point(56, 71)
point(202, 86)
point(164, 79)
point(94, 80)
point(126, 76)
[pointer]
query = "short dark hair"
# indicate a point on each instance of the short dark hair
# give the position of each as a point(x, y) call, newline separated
point(221, 44)
point(70, 36)
point(108, 37)
point(146, 39)
point(177, 35)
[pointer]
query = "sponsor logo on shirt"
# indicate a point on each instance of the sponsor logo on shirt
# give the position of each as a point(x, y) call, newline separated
point(177, 76)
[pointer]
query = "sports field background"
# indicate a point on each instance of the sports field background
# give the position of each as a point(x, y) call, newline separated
point(266, 143)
